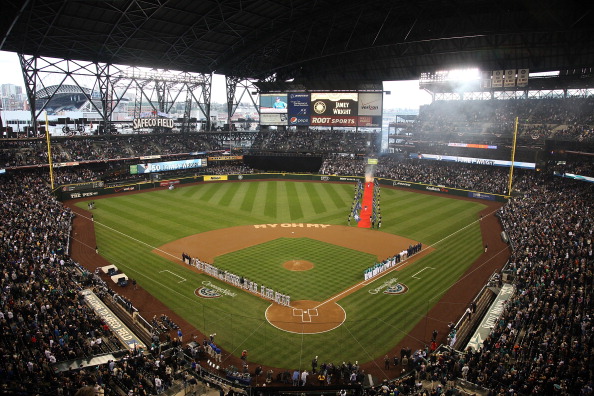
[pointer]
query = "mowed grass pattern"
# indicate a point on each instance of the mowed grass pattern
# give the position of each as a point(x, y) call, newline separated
point(129, 227)
point(339, 267)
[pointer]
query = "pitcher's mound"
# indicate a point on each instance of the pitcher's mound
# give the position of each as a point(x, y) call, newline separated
point(306, 317)
point(298, 265)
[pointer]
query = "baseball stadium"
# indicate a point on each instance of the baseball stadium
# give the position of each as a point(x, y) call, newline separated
point(305, 237)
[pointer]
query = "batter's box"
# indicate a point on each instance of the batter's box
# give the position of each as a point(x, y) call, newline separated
point(312, 312)
point(297, 312)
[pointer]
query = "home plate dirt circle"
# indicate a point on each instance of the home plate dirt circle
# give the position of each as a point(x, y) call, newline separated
point(298, 265)
point(306, 317)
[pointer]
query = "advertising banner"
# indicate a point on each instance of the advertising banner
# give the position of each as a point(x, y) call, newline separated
point(298, 104)
point(214, 177)
point(329, 104)
point(480, 195)
point(573, 176)
point(166, 166)
point(82, 186)
point(344, 121)
point(273, 119)
point(66, 195)
point(226, 158)
point(167, 183)
point(273, 103)
point(471, 160)
point(62, 164)
point(370, 121)
point(299, 120)
point(473, 145)
point(370, 104)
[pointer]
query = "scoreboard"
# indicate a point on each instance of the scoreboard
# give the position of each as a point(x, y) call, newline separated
point(343, 109)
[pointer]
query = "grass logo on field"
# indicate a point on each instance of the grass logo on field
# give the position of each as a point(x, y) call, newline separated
point(206, 292)
point(390, 286)
point(398, 288)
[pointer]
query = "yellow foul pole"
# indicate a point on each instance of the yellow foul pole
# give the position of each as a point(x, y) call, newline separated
point(513, 156)
point(49, 151)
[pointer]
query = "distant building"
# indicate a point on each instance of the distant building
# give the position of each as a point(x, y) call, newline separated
point(12, 97)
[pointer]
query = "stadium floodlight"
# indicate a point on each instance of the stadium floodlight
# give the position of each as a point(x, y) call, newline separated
point(463, 74)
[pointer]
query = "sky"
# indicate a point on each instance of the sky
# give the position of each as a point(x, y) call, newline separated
point(404, 94)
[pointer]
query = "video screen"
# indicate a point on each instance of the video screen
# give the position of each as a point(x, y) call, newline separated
point(273, 103)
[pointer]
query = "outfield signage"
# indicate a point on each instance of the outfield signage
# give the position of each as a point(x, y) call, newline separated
point(85, 194)
point(330, 104)
point(370, 104)
point(299, 104)
point(122, 332)
point(443, 190)
point(292, 225)
point(215, 177)
point(472, 145)
point(124, 188)
point(138, 123)
point(491, 317)
point(167, 166)
point(475, 161)
point(588, 179)
point(167, 183)
point(299, 120)
point(63, 164)
point(226, 158)
point(83, 186)
point(65, 192)
point(480, 195)
point(345, 121)
point(369, 121)
point(273, 119)
point(340, 109)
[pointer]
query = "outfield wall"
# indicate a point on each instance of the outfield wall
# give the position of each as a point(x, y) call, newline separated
point(86, 190)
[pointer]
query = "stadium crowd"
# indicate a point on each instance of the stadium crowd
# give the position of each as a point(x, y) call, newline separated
point(315, 140)
point(560, 118)
point(44, 321)
point(24, 152)
point(543, 342)
point(456, 175)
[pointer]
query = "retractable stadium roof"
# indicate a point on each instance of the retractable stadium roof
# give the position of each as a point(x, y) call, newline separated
point(317, 40)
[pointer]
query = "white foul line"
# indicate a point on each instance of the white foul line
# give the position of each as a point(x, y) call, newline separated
point(184, 279)
point(415, 275)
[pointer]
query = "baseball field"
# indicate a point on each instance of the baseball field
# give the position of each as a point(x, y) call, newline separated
point(292, 237)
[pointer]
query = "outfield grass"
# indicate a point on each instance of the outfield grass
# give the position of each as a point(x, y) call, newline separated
point(129, 227)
